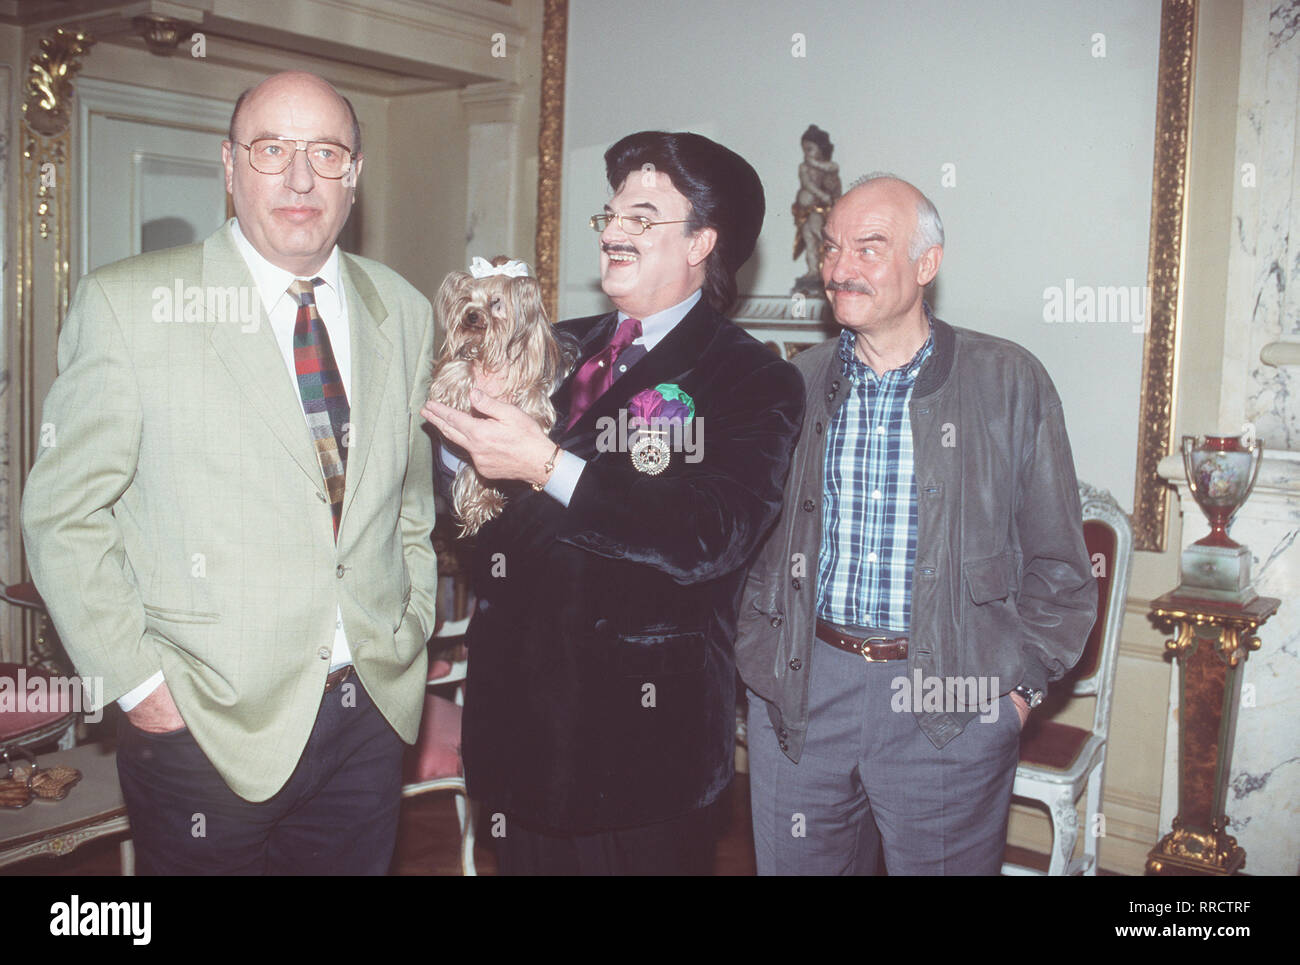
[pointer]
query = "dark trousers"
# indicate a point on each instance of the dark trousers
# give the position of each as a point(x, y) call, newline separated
point(337, 814)
point(682, 845)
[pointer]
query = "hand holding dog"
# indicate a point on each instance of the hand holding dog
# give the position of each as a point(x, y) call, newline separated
point(502, 441)
point(493, 384)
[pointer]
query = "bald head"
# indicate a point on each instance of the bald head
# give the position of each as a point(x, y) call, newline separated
point(292, 82)
point(881, 245)
point(293, 215)
point(928, 229)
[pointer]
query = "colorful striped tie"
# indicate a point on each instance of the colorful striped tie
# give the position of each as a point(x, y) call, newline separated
point(323, 397)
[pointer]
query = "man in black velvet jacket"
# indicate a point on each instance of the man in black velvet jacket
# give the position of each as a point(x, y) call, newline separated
point(600, 711)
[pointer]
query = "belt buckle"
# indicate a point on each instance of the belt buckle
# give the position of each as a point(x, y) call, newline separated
point(866, 654)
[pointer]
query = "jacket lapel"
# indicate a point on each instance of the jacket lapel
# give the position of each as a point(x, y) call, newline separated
point(253, 358)
point(371, 356)
point(669, 361)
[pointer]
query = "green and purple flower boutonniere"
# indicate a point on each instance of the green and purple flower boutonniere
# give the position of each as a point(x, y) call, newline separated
point(663, 421)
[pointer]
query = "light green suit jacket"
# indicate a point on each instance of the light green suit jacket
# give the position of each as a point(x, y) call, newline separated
point(176, 516)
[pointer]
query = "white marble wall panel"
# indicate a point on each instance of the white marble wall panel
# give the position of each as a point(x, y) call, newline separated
point(1264, 283)
point(1264, 261)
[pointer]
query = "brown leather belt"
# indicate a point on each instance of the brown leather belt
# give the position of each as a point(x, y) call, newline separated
point(870, 649)
point(337, 677)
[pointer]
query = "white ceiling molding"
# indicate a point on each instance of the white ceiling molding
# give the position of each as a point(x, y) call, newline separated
point(384, 47)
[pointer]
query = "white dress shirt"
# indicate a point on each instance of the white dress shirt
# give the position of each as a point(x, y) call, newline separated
point(282, 312)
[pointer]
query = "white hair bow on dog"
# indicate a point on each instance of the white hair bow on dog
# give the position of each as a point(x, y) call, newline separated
point(482, 268)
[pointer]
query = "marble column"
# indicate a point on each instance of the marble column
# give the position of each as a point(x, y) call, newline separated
point(1263, 304)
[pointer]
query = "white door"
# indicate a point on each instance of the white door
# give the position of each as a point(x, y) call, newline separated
point(151, 170)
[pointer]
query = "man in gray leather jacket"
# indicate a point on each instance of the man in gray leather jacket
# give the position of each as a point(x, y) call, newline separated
point(926, 580)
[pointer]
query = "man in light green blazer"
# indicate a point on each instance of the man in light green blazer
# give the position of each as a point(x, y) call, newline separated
point(231, 522)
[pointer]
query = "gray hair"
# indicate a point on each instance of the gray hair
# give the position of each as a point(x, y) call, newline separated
point(929, 227)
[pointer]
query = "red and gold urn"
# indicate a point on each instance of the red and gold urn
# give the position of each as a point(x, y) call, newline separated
point(1221, 472)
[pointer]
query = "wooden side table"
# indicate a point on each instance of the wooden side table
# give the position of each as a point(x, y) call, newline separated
point(1211, 642)
point(91, 810)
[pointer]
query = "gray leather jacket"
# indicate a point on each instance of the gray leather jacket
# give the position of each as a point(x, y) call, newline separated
point(1003, 585)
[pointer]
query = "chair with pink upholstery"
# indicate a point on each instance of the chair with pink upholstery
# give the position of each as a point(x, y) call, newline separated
point(434, 764)
point(38, 705)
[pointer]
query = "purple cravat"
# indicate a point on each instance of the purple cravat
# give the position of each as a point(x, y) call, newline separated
point(597, 373)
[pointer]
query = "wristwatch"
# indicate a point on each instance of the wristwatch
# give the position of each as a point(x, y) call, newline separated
point(1031, 697)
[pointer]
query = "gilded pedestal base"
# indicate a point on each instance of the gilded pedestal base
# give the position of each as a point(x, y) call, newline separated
point(1211, 643)
point(1183, 851)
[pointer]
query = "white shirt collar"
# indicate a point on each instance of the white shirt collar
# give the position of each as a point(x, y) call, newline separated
point(655, 327)
point(273, 282)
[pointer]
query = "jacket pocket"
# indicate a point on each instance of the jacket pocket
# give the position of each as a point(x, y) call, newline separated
point(657, 654)
point(180, 616)
point(990, 623)
point(989, 579)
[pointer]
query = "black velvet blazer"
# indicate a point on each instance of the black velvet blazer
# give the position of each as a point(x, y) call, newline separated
point(601, 691)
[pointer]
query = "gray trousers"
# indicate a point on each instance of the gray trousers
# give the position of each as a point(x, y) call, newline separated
point(869, 783)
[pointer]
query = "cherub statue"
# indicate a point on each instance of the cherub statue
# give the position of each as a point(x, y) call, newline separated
point(819, 186)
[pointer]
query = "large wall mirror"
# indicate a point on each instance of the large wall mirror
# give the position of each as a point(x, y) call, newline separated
point(1032, 126)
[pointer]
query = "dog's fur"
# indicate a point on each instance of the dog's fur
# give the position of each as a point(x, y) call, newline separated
point(495, 325)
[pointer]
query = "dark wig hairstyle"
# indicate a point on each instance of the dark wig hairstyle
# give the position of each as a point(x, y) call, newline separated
point(724, 192)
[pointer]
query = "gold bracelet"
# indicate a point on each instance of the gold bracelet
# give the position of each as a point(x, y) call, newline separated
point(549, 467)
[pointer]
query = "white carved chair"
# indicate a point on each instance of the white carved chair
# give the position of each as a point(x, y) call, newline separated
point(434, 763)
point(1059, 762)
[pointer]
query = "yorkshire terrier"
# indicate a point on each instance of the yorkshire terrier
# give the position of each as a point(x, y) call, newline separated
point(496, 327)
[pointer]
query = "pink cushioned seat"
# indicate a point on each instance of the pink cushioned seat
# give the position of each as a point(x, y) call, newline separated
point(27, 708)
point(437, 752)
point(438, 669)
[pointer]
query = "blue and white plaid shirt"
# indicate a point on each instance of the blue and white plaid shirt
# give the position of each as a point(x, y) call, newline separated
point(864, 572)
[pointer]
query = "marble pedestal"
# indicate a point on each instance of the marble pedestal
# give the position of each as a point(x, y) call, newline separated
point(1264, 781)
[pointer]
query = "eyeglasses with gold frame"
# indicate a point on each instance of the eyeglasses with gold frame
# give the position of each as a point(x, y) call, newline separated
point(273, 155)
point(629, 224)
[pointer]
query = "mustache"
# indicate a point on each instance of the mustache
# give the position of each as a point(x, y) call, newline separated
point(617, 249)
point(849, 286)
